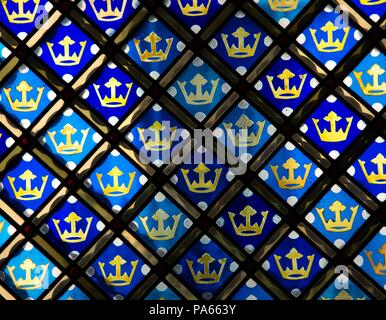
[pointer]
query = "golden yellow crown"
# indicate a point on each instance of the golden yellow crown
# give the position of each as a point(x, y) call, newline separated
point(286, 93)
point(24, 105)
point(118, 279)
point(161, 232)
point(109, 14)
point(202, 186)
point(195, 9)
point(333, 135)
point(379, 269)
point(153, 55)
point(242, 139)
point(242, 50)
point(68, 146)
point(343, 295)
point(248, 229)
point(291, 182)
point(199, 97)
point(330, 45)
point(113, 101)
point(294, 273)
point(156, 143)
point(375, 178)
point(28, 193)
point(338, 225)
point(73, 236)
point(115, 190)
point(376, 88)
point(67, 59)
point(29, 282)
point(21, 16)
point(283, 5)
point(207, 277)
point(371, 2)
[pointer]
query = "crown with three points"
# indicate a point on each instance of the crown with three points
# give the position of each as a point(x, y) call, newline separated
point(295, 273)
point(242, 139)
point(343, 295)
point(283, 5)
point(248, 229)
point(330, 45)
point(371, 2)
point(119, 279)
point(68, 146)
point(161, 233)
point(28, 193)
point(21, 16)
point(242, 50)
point(153, 55)
point(29, 282)
point(24, 105)
point(109, 14)
point(156, 143)
point(287, 93)
point(338, 225)
point(67, 59)
point(202, 186)
point(375, 178)
point(113, 101)
point(73, 236)
point(194, 9)
point(379, 269)
point(199, 97)
point(207, 277)
point(115, 190)
point(291, 182)
point(333, 135)
point(376, 88)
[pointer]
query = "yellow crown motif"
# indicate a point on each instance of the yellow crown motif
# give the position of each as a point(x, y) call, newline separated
point(153, 55)
point(161, 233)
point(283, 5)
point(158, 144)
point(113, 101)
point(242, 50)
point(115, 190)
point(287, 93)
point(199, 97)
point(295, 273)
point(371, 2)
point(343, 295)
point(379, 269)
point(247, 229)
point(24, 105)
point(109, 14)
point(21, 16)
point(333, 135)
point(202, 186)
point(69, 147)
point(291, 182)
point(195, 9)
point(28, 193)
point(119, 279)
point(330, 45)
point(338, 225)
point(207, 277)
point(375, 178)
point(242, 139)
point(67, 59)
point(73, 236)
point(29, 282)
point(375, 89)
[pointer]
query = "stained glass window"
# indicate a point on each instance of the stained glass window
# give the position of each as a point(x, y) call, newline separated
point(192, 149)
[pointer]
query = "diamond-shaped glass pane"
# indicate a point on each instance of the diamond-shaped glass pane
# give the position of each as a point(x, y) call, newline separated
point(251, 291)
point(162, 292)
point(342, 288)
